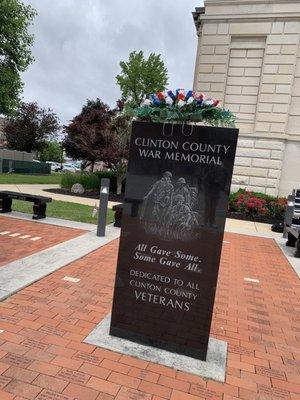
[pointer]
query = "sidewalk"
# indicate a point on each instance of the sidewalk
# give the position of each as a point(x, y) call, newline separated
point(250, 228)
point(40, 191)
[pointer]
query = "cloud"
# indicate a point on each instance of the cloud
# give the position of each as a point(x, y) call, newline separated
point(79, 44)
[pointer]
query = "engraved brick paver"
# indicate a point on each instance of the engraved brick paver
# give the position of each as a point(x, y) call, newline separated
point(50, 395)
point(14, 248)
point(73, 376)
point(16, 360)
point(132, 394)
point(43, 357)
point(4, 381)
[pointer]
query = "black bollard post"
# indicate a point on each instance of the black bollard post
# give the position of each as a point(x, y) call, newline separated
point(104, 192)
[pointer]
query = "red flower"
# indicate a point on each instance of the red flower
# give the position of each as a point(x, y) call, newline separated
point(181, 96)
point(160, 95)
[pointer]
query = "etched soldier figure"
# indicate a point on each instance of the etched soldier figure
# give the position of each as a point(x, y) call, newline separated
point(182, 189)
point(159, 199)
point(182, 219)
point(168, 211)
point(180, 213)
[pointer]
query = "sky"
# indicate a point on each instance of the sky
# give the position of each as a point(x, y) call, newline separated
point(79, 44)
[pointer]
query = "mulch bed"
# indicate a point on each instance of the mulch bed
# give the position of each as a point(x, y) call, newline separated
point(91, 194)
point(265, 220)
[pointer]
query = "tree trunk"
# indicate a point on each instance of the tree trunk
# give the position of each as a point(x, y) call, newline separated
point(119, 185)
point(92, 166)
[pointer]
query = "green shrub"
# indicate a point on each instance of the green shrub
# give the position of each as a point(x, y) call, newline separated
point(113, 180)
point(87, 180)
point(90, 181)
point(68, 180)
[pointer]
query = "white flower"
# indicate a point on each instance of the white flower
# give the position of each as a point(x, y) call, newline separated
point(181, 103)
point(190, 100)
point(208, 102)
point(199, 95)
point(169, 101)
point(147, 102)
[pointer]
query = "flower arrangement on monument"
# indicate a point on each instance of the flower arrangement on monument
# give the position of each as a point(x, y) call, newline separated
point(182, 106)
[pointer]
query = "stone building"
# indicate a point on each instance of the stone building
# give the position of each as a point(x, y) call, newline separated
point(249, 57)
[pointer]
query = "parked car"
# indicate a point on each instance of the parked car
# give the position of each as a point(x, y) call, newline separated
point(55, 166)
point(70, 167)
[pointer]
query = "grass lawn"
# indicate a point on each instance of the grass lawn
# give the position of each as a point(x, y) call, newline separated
point(65, 210)
point(30, 179)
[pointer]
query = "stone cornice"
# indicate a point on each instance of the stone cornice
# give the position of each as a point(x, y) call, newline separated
point(268, 13)
point(249, 17)
point(247, 2)
point(196, 15)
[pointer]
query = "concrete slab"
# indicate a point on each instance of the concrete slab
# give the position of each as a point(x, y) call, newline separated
point(240, 224)
point(289, 254)
point(262, 227)
point(250, 228)
point(213, 368)
point(4, 294)
point(21, 273)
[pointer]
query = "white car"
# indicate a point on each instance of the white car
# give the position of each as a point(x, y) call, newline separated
point(55, 166)
point(68, 167)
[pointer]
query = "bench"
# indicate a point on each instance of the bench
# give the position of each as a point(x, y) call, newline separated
point(293, 228)
point(39, 206)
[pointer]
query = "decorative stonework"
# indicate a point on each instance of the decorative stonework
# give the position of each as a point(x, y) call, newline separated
point(248, 56)
point(258, 164)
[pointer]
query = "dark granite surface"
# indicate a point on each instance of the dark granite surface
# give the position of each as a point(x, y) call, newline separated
point(172, 230)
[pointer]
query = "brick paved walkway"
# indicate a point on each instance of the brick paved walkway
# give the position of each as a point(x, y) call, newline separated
point(42, 355)
point(19, 238)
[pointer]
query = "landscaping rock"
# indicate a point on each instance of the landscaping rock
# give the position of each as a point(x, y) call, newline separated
point(77, 188)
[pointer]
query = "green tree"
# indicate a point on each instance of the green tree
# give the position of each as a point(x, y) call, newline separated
point(140, 77)
point(31, 128)
point(51, 152)
point(15, 51)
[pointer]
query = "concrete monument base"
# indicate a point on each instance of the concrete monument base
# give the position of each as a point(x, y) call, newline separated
point(213, 368)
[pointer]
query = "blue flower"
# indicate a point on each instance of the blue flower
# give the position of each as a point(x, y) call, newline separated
point(155, 100)
point(172, 95)
point(188, 95)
